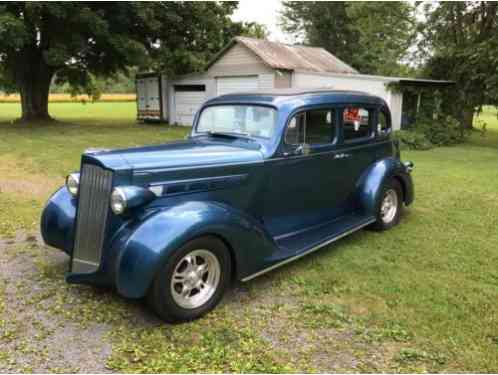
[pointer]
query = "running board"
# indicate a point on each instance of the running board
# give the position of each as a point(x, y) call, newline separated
point(311, 250)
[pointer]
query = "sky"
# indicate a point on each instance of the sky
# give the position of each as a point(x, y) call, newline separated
point(265, 12)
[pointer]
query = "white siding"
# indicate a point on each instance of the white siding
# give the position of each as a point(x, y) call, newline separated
point(238, 60)
point(266, 81)
point(371, 85)
point(190, 79)
point(187, 104)
point(227, 85)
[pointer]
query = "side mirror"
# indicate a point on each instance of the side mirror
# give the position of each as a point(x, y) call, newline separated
point(302, 149)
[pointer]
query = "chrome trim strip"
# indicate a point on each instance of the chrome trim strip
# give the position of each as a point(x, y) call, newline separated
point(144, 172)
point(291, 259)
point(202, 179)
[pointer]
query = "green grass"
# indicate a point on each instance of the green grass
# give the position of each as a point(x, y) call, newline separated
point(41, 155)
point(420, 297)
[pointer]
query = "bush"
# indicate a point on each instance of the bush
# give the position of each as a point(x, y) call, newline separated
point(443, 132)
point(412, 140)
point(427, 133)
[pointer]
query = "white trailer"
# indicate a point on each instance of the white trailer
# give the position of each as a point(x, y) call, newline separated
point(150, 103)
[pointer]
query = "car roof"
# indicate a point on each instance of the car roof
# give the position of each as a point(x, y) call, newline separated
point(278, 97)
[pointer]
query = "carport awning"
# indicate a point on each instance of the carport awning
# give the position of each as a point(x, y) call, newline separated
point(428, 83)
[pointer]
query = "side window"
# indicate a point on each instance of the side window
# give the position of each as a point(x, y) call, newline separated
point(356, 123)
point(312, 127)
point(384, 125)
point(320, 126)
point(294, 135)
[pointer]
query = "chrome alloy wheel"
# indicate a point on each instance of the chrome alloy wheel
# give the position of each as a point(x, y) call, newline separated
point(389, 206)
point(195, 279)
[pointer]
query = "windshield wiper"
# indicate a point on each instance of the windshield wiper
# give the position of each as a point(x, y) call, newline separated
point(229, 134)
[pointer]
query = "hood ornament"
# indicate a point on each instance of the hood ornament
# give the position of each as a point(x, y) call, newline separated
point(95, 150)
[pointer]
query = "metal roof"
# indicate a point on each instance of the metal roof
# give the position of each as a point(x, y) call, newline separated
point(290, 57)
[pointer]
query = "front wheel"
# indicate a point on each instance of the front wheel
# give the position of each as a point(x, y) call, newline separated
point(192, 281)
point(389, 206)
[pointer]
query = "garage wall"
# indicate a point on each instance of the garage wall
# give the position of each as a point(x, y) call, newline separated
point(266, 81)
point(227, 85)
point(191, 79)
point(238, 60)
point(370, 84)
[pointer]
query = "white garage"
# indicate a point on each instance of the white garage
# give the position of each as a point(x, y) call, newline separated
point(188, 99)
point(248, 64)
point(227, 85)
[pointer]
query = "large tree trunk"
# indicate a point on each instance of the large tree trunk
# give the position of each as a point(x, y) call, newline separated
point(34, 85)
point(467, 118)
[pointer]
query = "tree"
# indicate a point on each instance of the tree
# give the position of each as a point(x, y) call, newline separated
point(373, 37)
point(77, 41)
point(459, 42)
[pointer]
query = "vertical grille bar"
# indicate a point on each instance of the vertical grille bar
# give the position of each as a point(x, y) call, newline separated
point(93, 211)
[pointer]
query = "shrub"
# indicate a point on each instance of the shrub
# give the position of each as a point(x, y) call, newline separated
point(412, 140)
point(445, 131)
point(427, 133)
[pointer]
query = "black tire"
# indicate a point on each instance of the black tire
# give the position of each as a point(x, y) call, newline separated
point(381, 224)
point(160, 296)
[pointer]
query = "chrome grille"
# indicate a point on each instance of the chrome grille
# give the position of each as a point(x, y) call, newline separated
point(91, 222)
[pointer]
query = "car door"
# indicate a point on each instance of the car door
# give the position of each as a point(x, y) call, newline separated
point(302, 186)
point(357, 148)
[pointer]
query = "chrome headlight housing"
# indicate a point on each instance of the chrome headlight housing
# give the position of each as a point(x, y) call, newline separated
point(119, 202)
point(73, 183)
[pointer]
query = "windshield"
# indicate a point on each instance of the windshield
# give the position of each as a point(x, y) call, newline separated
point(251, 120)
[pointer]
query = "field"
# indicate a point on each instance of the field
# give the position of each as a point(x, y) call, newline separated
point(66, 98)
point(421, 297)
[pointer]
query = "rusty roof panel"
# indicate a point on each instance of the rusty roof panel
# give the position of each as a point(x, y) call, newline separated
point(287, 57)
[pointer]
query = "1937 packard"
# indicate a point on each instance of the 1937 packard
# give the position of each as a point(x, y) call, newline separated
point(263, 179)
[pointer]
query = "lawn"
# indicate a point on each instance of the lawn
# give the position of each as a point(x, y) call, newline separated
point(421, 297)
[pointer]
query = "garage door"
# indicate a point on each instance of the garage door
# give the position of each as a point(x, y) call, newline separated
point(188, 99)
point(227, 85)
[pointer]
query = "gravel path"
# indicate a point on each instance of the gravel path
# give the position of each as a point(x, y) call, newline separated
point(32, 337)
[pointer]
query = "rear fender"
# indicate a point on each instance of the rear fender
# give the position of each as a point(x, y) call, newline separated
point(144, 246)
point(372, 180)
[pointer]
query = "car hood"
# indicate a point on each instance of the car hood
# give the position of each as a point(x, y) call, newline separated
point(184, 154)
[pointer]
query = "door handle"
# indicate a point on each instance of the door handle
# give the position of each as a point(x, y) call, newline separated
point(342, 156)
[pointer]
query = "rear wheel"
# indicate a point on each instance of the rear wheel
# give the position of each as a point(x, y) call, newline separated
point(389, 206)
point(192, 281)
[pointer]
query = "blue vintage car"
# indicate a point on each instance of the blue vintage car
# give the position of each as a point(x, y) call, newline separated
point(264, 178)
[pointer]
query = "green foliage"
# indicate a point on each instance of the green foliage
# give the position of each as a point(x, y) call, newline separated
point(371, 36)
point(428, 133)
point(412, 140)
point(458, 42)
point(444, 131)
point(83, 43)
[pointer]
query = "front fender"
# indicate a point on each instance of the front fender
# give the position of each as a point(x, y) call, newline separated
point(146, 245)
point(371, 182)
point(57, 221)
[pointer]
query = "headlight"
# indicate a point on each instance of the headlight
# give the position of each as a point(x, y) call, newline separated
point(72, 183)
point(118, 201)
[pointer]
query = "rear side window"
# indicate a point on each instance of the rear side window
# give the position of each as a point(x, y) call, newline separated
point(314, 127)
point(356, 123)
point(384, 125)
